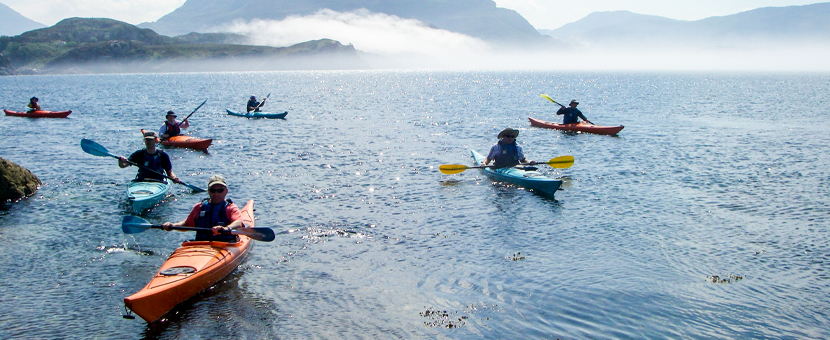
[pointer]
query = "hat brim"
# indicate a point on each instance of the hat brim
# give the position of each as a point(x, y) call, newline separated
point(220, 183)
point(508, 131)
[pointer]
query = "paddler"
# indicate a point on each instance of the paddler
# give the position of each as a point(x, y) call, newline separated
point(171, 126)
point(506, 153)
point(151, 158)
point(215, 213)
point(254, 105)
point(572, 114)
point(33, 105)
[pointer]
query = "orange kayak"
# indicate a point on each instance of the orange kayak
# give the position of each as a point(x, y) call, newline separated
point(579, 127)
point(185, 141)
point(38, 114)
point(192, 268)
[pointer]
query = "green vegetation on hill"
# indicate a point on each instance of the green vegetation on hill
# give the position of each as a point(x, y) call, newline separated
point(79, 45)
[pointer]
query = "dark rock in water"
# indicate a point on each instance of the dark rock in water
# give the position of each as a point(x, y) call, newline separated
point(16, 182)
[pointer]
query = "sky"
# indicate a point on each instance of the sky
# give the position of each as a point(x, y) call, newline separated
point(542, 14)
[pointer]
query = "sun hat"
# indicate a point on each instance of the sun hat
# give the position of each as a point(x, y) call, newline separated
point(150, 135)
point(216, 179)
point(574, 101)
point(508, 131)
point(170, 113)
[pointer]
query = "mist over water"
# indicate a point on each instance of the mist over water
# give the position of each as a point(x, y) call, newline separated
point(387, 41)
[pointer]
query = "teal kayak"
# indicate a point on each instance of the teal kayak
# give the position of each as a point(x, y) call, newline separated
point(258, 114)
point(532, 179)
point(144, 195)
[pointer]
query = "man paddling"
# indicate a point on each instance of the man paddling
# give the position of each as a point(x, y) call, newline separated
point(151, 158)
point(572, 114)
point(254, 105)
point(506, 153)
point(171, 126)
point(33, 105)
point(216, 213)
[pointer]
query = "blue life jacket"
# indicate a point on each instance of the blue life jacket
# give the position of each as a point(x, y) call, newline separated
point(509, 156)
point(152, 162)
point(172, 129)
point(211, 215)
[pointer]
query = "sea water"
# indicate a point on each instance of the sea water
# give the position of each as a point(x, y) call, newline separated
point(706, 217)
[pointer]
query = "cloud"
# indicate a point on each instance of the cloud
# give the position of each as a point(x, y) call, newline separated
point(368, 32)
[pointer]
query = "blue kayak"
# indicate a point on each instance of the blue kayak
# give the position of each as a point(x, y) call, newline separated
point(532, 179)
point(258, 114)
point(144, 195)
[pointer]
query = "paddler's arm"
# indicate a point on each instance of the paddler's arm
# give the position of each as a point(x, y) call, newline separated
point(190, 221)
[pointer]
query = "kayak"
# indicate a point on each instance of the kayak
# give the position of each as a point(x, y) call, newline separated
point(530, 179)
point(146, 194)
point(258, 114)
point(185, 141)
point(579, 127)
point(38, 114)
point(192, 268)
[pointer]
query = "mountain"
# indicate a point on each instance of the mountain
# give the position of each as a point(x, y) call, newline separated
point(477, 18)
point(80, 45)
point(14, 23)
point(763, 27)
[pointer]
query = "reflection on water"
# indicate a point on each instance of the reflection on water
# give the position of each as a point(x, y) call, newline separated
point(704, 218)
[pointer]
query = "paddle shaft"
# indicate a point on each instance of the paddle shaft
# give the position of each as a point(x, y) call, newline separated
point(259, 234)
point(194, 111)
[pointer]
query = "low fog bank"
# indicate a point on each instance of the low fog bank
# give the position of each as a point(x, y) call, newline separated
point(386, 41)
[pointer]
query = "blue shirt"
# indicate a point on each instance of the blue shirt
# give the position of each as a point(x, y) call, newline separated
point(572, 115)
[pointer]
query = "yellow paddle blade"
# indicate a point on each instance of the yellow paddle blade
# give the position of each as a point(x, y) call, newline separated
point(549, 98)
point(561, 162)
point(451, 169)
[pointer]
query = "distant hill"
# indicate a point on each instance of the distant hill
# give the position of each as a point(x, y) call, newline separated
point(79, 45)
point(476, 18)
point(763, 27)
point(13, 23)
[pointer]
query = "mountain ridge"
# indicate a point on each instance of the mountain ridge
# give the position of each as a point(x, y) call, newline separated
point(14, 23)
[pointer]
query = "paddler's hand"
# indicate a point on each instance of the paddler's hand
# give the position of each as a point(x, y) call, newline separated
point(220, 230)
point(177, 180)
point(166, 226)
point(532, 163)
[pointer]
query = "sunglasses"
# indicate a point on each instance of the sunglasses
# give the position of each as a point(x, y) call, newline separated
point(216, 191)
point(509, 136)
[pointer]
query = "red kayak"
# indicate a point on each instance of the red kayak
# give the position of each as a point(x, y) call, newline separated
point(38, 114)
point(184, 141)
point(579, 127)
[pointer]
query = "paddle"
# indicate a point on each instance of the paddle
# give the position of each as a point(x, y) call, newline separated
point(96, 149)
point(259, 105)
point(551, 99)
point(560, 162)
point(134, 225)
point(194, 111)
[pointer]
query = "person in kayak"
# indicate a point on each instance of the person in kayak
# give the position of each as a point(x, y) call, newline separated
point(572, 114)
point(216, 214)
point(152, 158)
point(254, 105)
point(171, 126)
point(33, 105)
point(506, 153)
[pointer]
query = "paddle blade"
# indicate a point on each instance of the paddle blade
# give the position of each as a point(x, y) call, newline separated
point(561, 162)
point(451, 169)
point(134, 225)
point(259, 234)
point(95, 149)
point(549, 98)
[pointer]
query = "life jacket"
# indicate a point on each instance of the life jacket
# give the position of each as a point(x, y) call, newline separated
point(509, 155)
point(172, 129)
point(211, 215)
point(152, 162)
